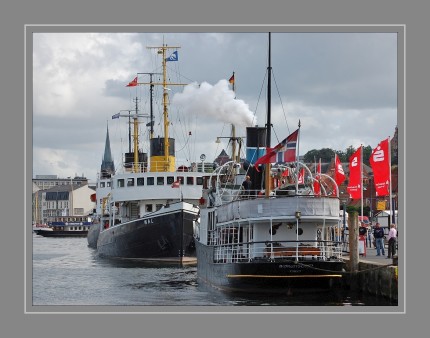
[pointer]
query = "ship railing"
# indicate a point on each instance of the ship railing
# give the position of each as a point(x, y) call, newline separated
point(275, 250)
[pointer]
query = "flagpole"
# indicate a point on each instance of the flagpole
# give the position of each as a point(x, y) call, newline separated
point(361, 174)
point(297, 161)
point(391, 192)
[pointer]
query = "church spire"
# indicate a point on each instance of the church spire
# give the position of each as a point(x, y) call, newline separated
point(107, 168)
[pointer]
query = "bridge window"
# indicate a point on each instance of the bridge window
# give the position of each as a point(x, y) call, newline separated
point(121, 183)
point(140, 181)
point(130, 182)
point(170, 179)
point(150, 181)
point(160, 180)
point(190, 180)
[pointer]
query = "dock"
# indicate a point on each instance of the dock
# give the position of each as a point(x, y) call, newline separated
point(376, 275)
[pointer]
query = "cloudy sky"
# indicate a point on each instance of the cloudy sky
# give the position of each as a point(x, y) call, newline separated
point(341, 86)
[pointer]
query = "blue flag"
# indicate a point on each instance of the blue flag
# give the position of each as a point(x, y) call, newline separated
point(173, 57)
point(116, 116)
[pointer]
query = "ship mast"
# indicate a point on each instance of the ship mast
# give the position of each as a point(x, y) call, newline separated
point(168, 161)
point(268, 126)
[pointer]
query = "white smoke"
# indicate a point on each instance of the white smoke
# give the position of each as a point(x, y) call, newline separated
point(214, 101)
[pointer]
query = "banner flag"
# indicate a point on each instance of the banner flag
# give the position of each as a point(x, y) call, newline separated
point(379, 161)
point(354, 184)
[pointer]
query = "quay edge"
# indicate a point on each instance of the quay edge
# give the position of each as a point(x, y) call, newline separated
point(373, 278)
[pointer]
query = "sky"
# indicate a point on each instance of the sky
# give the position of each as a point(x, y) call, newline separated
point(341, 86)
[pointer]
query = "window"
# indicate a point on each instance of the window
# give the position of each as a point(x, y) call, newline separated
point(108, 184)
point(140, 181)
point(121, 183)
point(199, 180)
point(181, 179)
point(170, 179)
point(102, 184)
point(148, 207)
point(130, 182)
point(158, 206)
point(150, 181)
point(160, 180)
point(190, 180)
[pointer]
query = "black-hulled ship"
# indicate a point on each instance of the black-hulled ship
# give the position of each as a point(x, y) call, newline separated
point(270, 238)
point(150, 212)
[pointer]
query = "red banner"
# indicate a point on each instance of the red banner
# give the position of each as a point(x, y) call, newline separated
point(339, 174)
point(380, 163)
point(317, 186)
point(354, 185)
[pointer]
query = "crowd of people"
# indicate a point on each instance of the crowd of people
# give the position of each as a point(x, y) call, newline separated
point(377, 238)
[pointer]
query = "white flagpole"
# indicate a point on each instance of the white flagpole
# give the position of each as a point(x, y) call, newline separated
point(297, 161)
point(391, 192)
point(361, 159)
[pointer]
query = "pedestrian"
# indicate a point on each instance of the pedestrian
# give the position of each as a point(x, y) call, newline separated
point(247, 186)
point(369, 236)
point(392, 238)
point(378, 233)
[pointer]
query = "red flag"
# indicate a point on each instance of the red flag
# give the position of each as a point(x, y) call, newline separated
point(339, 174)
point(231, 80)
point(133, 83)
point(380, 163)
point(354, 185)
point(176, 184)
point(301, 178)
point(317, 185)
point(288, 146)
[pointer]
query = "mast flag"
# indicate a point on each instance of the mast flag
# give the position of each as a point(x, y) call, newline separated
point(132, 83)
point(231, 80)
point(287, 146)
point(173, 56)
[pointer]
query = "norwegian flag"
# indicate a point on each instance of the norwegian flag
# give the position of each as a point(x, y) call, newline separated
point(287, 149)
point(176, 184)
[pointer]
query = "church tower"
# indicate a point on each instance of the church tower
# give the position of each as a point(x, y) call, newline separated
point(107, 168)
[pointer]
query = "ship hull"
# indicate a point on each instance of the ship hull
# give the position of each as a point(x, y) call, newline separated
point(61, 233)
point(165, 237)
point(93, 235)
point(266, 275)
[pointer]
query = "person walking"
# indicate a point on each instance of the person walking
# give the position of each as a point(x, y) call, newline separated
point(392, 238)
point(378, 233)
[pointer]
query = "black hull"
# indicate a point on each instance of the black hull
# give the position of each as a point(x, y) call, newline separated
point(57, 233)
point(265, 275)
point(93, 235)
point(166, 237)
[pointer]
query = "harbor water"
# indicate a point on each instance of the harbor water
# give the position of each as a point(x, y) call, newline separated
point(65, 271)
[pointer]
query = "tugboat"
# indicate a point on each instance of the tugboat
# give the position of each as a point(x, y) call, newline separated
point(274, 236)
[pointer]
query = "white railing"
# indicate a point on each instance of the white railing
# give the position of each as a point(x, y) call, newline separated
point(291, 250)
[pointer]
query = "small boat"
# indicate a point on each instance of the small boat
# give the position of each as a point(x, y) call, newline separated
point(274, 237)
point(64, 229)
point(150, 212)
